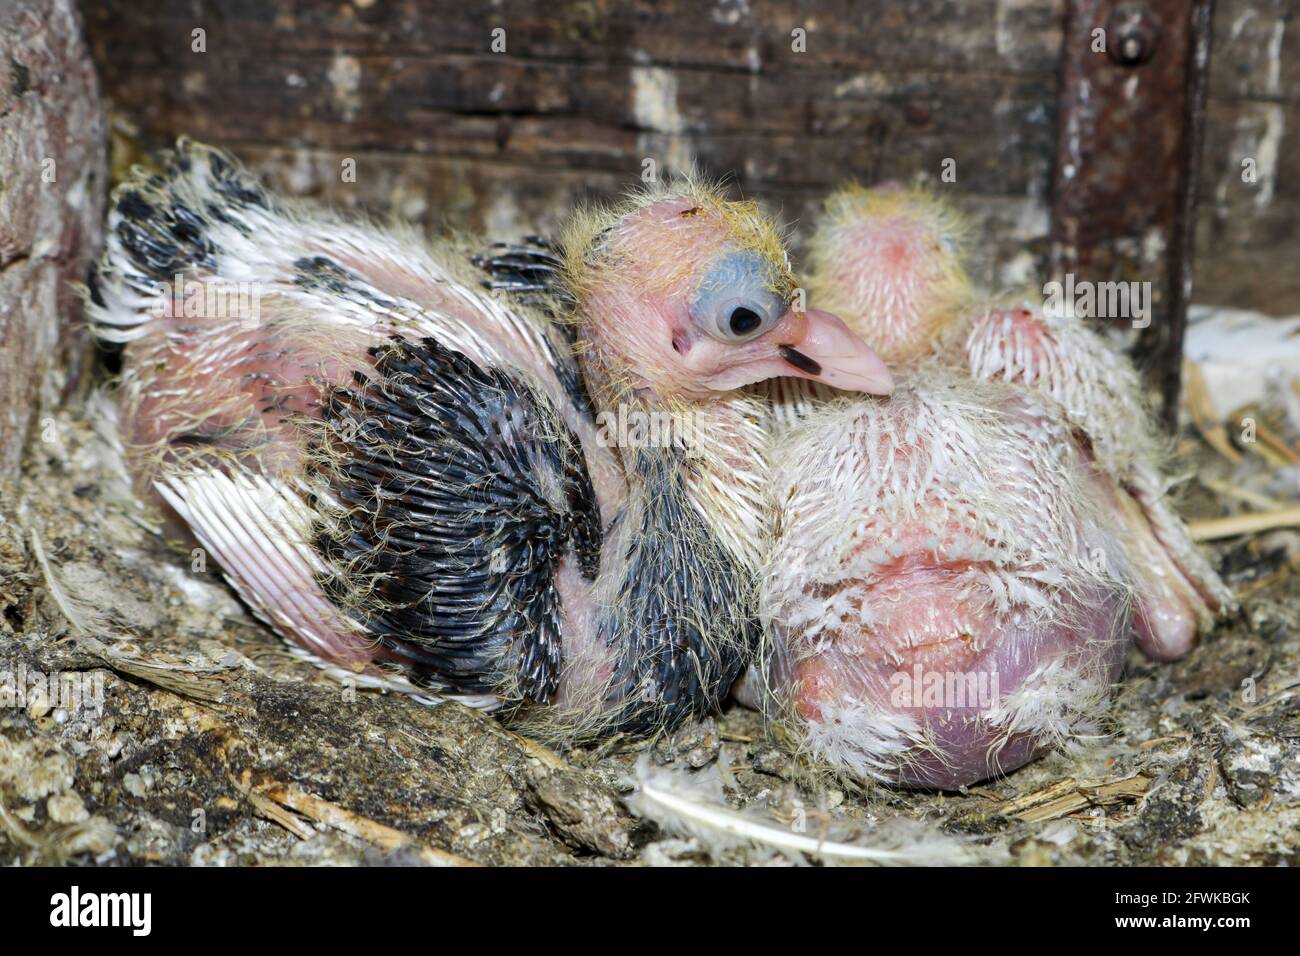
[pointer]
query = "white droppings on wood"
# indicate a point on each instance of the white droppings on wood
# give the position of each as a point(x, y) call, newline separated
point(1033, 220)
point(866, 84)
point(1273, 56)
point(300, 174)
point(1239, 24)
point(731, 12)
point(1266, 153)
point(1020, 270)
point(1026, 30)
point(1004, 39)
point(1153, 245)
point(654, 99)
point(345, 79)
point(654, 106)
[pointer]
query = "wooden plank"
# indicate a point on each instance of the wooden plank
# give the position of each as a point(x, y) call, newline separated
point(738, 35)
point(590, 115)
point(1248, 237)
point(586, 91)
point(1248, 223)
point(1256, 51)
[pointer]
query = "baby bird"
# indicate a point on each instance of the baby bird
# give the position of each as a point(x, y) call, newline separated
point(405, 477)
point(944, 593)
point(953, 589)
point(889, 262)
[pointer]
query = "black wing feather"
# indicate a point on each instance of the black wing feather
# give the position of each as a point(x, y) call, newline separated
point(443, 467)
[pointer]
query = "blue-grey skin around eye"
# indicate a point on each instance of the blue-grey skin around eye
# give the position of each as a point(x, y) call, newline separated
point(739, 279)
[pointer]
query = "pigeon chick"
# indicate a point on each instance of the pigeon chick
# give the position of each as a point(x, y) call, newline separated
point(405, 477)
point(1000, 523)
point(890, 262)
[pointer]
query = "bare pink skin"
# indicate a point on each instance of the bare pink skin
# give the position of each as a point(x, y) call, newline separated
point(257, 384)
point(1082, 482)
point(964, 747)
point(919, 592)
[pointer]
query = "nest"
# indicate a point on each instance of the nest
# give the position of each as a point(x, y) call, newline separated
point(209, 742)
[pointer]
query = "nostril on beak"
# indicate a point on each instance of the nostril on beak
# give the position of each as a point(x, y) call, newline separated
point(800, 361)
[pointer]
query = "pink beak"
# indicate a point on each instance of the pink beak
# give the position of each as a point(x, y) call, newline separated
point(819, 346)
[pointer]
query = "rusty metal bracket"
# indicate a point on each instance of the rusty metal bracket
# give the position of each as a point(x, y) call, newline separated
point(1132, 106)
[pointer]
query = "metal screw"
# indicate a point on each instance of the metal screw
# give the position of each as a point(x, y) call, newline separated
point(1133, 33)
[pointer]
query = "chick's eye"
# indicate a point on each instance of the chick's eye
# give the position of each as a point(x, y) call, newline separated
point(736, 299)
point(739, 320)
point(744, 320)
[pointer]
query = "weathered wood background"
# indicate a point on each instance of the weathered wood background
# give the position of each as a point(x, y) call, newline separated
point(52, 180)
point(443, 130)
point(1248, 236)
